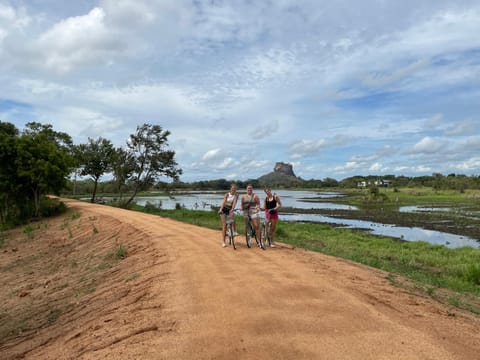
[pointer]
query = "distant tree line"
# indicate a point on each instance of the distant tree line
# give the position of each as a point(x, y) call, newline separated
point(436, 181)
point(39, 161)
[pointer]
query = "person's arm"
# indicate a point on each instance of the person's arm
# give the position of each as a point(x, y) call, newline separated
point(235, 199)
point(257, 202)
point(241, 203)
point(223, 203)
point(279, 203)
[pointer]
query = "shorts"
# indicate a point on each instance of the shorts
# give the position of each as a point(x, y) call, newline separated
point(252, 212)
point(225, 211)
point(270, 216)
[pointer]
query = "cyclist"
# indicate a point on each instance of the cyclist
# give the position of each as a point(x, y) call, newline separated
point(227, 209)
point(250, 205)
point(271, 205)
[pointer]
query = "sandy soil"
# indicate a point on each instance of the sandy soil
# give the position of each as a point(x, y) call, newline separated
point(67, 294)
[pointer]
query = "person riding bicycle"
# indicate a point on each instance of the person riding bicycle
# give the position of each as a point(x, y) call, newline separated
point(271, 205)
point(250, 205)
point(227, 209)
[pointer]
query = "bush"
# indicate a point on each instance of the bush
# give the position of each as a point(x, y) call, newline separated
point(51, 207)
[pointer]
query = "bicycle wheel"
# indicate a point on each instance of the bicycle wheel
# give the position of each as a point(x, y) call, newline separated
point(258, 239)
point(248, 233)
point(268, 234)
point(231, 238)
point(264, 231)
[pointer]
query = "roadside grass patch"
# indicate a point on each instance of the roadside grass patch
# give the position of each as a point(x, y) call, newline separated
point(472, 273)
point(28, 231)
point(74, 215)
point(120, 252)
point(3, 240)
point(132, 277)
point(53, 316)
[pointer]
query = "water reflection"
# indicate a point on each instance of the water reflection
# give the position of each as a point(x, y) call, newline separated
point(204, 201)
point(400, 232)
point(422, 209)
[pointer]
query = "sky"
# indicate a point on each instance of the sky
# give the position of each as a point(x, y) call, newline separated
point(335, 88)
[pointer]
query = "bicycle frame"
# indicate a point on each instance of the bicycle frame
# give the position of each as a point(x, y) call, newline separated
point(250, 232)
point(267, 231)
point(229, 231)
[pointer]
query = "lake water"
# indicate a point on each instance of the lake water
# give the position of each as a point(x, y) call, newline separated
point(307, 200)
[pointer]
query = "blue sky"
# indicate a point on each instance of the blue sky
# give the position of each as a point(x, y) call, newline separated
point(336, 88)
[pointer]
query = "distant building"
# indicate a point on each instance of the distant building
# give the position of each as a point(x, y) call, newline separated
point(382, 183)
point(362, 184)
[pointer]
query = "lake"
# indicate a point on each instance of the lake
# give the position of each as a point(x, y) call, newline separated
point(309, 200)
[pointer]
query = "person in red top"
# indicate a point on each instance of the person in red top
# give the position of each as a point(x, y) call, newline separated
point(271, 205)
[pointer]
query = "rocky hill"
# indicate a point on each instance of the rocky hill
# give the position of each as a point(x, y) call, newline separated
point(281, 176)
point(284, 168)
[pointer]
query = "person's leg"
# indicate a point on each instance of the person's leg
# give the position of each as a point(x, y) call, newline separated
point(255, 225)
point(234, 225)
point(274, 225)
point(224, 229)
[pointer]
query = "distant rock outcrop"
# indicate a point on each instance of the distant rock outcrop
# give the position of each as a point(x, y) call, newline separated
point(284, 168)
point(281, 176)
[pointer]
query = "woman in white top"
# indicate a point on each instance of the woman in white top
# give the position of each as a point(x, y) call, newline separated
point(227, 209)
point(250, 205)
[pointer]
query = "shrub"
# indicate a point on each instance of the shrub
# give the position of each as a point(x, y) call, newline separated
point(51, 207)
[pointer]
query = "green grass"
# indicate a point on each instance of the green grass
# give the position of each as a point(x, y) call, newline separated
point(413, 196)
point(430, 267)
point(28, 231)
point(132, 277)
point(120, 252)
point(3, 240)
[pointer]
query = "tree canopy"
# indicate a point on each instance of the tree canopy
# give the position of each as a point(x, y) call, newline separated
point(94, 159)
point(150, 158)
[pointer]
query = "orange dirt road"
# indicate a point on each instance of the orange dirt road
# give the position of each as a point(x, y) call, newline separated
point(190, 298)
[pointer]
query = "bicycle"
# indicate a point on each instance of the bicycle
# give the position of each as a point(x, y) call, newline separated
point(251, 233)
point(230, 232)
point(267, 231)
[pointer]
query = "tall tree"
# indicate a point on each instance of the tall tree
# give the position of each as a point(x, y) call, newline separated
point(151, 158)
point(8, 172)
point(44, 160)
point(95, 159)
point(123, 168)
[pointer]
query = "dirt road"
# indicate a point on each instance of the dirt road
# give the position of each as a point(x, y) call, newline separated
point(180, 295)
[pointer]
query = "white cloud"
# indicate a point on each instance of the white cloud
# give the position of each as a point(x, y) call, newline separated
point(226, 163)
point(465, 127)
point(397, 74)
point(265, 130)
point(377, 167)
point(348, 167)
point(211, 155)
point(472, 164)
point(427, 145)
point(305, 148)
point(79, 40)
point(435, 121)
point(242, 84)
point(12, 20)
